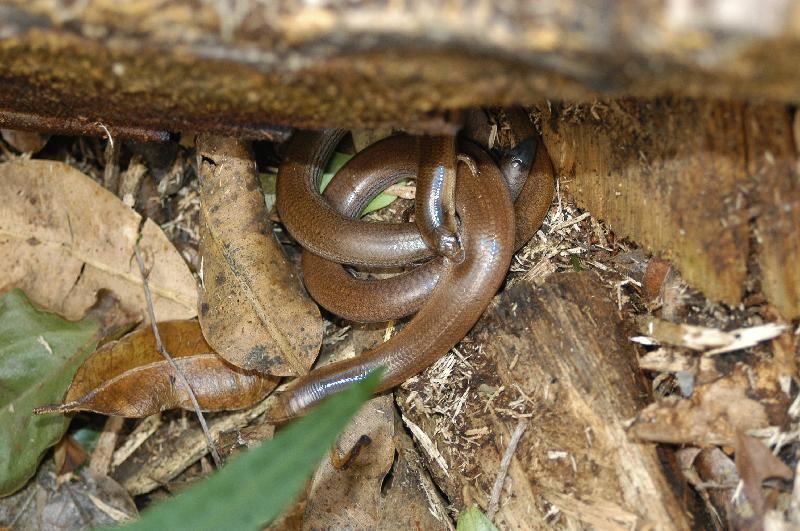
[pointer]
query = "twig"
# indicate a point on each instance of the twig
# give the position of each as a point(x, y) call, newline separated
point(497, 488)
point(100, 463)
point(161, 349)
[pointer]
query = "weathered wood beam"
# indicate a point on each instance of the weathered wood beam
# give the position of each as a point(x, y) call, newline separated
point(703, 183)
point(241, 67)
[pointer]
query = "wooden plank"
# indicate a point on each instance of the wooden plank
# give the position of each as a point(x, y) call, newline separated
point(141, 69)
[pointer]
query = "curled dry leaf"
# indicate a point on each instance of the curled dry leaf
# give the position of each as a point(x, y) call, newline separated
point(24, 141)
point(711, 416)
point(756, 463)
point(63, 238)
point(130, 378)
point(253, 309)
point(346, 489)
point(410, 499)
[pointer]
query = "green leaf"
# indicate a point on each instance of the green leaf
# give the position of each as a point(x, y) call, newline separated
point(473, 519)
point(334, 165)
point(268, 182)
point(87, 438)
point(257, 486)
point(337, 161)
point(39, 354)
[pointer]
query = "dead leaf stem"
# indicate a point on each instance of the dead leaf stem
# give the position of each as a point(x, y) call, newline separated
point(497, 488)
point(212, 448)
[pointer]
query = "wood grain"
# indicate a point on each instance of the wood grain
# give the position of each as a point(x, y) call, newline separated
point(700, 183)
point(665, 173)
point(772, 163)
point(562, 350)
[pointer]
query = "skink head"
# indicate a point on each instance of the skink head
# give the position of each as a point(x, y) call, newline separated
point(519, 160)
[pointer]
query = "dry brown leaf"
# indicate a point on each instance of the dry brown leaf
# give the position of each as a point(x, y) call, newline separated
point(63, 238)
point(130, 378)
point(68, 455)
point(346, 488)
point(85, 502)
point(410, 498)
point(253, 309)
point(345, 491)
point(654, 277)
point(756, 463)
point(713, 476)
point(24, 141)
point(711, 416)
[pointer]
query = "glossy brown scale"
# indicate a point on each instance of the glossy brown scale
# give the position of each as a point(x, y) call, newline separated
point(372, 171)
point(448, 295)
point(319, 228)
point(464, 290)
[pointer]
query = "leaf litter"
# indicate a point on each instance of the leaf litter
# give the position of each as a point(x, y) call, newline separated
point(253, 309)
point(564, 243)
point(60, 247)
point(130, 378)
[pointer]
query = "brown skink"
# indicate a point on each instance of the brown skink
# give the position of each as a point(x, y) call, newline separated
point(352, 188)
point(464, 290)
point(516, 165)
point(435, 200)
point(373, 170)
point(319, 228)
point(538, 189)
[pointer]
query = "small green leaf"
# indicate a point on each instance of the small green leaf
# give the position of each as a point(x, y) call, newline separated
point(256, 486)
point(268, 181)
point(472, 519)
point(334, 165)
point(39, 354)
point(87, 438)
point(576, 264)
point(337, 161)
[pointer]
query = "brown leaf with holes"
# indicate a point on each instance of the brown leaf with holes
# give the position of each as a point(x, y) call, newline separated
point(63, 238)
point(253, 309)
point(130, 378)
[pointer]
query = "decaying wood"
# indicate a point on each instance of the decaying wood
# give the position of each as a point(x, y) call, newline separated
point(693, 180)
point(772, 162)
point(560, 354)
point(236, 67)
point(175, 446)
